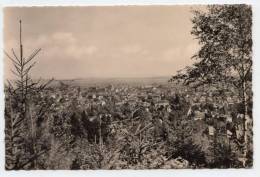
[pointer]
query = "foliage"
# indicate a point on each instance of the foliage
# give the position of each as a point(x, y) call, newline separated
point(225, 36)
point(22, 120)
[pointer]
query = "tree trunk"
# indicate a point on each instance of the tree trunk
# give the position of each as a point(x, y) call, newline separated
point(33, 133)
point(244, 101)
point(100, 133)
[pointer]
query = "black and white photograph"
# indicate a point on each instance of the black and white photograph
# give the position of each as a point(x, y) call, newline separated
point(128, 87)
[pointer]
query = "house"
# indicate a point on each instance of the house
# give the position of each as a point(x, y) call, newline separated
point(198, 115)
point(211, 130)
point(163, 103)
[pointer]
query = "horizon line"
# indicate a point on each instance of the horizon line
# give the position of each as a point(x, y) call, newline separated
point(99, 77)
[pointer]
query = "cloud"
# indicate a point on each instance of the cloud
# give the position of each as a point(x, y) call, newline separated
point(90, 50)
point(132, 49)
point(68, 45)
point(64, 37)
point(171, 54)
point(79, 52)
point(71, 46)
point(103, 41)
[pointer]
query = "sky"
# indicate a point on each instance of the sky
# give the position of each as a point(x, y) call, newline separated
point(111, 41)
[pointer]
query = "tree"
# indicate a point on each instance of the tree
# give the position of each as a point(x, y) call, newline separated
point(21, 125)
point(225, 36)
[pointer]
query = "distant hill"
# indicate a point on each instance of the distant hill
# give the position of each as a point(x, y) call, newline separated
point(86, 82)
